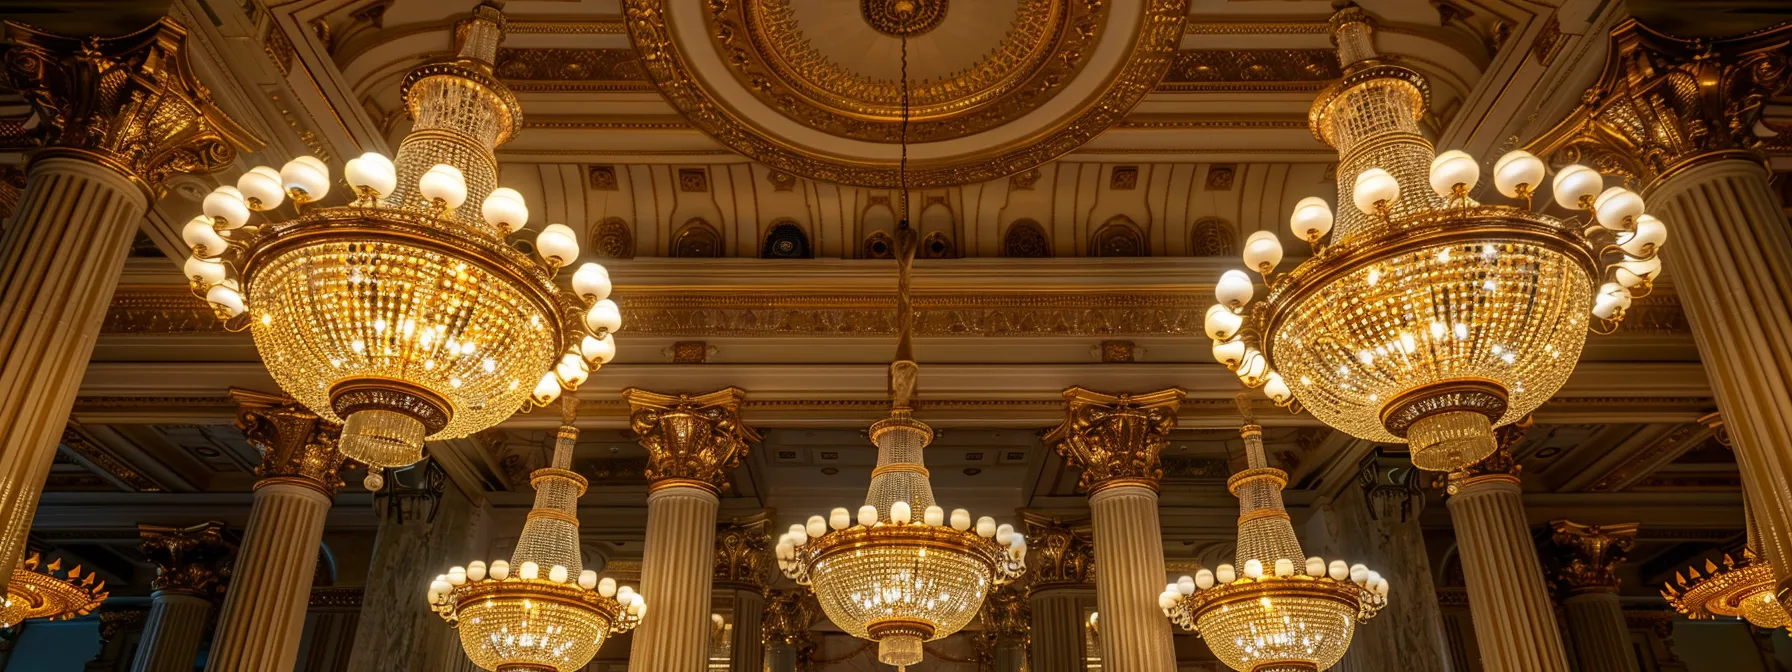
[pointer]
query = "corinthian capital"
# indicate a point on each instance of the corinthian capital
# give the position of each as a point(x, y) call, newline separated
point(1062, 553)
point(187, 559)
point(1501, 465)
point(1116, 439)
point(1586, 557)
point(743, 554)
point(691, 440)
point(130, 102)
point(296, 446)
point(1665, 103)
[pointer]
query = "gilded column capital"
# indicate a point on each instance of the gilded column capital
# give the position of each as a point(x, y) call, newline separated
point(1666, 103)
point(1062, 553)
point(296, 446)
point(188, 560)
point(788, 615)
point(131, 103)
point(691, 440)
point(1585, 557)
point(1116, 439)
point(743, 554)
point(1499, 466)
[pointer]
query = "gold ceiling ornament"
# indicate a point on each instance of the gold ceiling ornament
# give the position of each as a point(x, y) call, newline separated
point(741, 42)
point(188, 560)
point(1273, 611)
point(690, 439)
point(403, 315)
point(1429, 318)
point(1664, 103)
point(1116, 439)
point(1587, 556)
point(1739, 588)
point(898, 18)
point(37, 592)
point(131, 103)
point(546, 613)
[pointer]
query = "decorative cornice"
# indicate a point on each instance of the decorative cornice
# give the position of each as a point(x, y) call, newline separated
point(296, 446)
point(743, 556)
point(105, 461)
point(1252, 70)
point(1063, 553)
point(336, 598)
point(563, 70)
point(188, 560)
point(131, 103)
point(690, 439)
point(1116, 439)
point(1664, 103)
point(1584, 558)
point(1644, 461)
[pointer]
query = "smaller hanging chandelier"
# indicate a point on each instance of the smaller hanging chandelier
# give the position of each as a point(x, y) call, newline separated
point(407, 314)
point(1273, 612)
point(36, 592)
point(1738, 589)
point(549, 614)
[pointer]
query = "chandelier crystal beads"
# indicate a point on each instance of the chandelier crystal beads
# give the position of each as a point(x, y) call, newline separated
point(1273, 611)
point(405, 314)
point(1429, 318)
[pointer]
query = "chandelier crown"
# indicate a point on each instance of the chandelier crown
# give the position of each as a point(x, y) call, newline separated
point(38, 592)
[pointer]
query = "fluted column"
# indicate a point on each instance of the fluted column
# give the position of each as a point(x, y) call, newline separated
point(1729, 253)
point(1515, 625)
point(1117, 441)
point(1060, 564)
point(63, 249)
point(187, 580)
point(263, 617)
point(694, 443)
point(785, 630)
point(744, 568)
point(1584, 566)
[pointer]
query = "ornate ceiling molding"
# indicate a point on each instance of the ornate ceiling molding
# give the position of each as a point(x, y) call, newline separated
point(1128, 48)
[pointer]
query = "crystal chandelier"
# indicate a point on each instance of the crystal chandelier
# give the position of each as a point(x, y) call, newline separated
point(550, 614)
point(37, 592)
point(1273, 615)
point(1430, 318)
point(1738, 589)
point(891, 578)
point(405, 315)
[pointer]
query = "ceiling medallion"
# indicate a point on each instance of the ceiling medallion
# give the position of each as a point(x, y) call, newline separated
point(814, 93)
point(903, 17)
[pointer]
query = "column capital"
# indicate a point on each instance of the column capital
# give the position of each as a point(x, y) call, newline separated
point(1665, 103)
point(188, 560)
point(1116, 439)
point(1062, 552)
point(1584, 558)
point(691, 440)
point(743, 556)
point(788, 615)
point(1500, 466)
point(296, 446)
point(131, 103)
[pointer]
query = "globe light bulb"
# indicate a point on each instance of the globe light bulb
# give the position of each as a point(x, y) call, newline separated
point(604, 317)
point(201, 234)
point(371, 172)
point(1645, 239)
point(261, 188)
point(226, 208)
point(444, 185)
point(597, 350)
point(1517, 170)
point(1375, 188)
point(1617, 208)
point(591, 282)
point(1312, 218)
point(504, 210)
point(1576, 185)
point(306, 177)
point(1453, 170)
point(1262, 251)
point(557, 245)
point(1221, 323)
point(1234, 289)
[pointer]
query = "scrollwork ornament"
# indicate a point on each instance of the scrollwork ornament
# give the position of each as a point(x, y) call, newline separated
point(690, 439)
point(743, 555)
point(1061, 554)
point(131, 103)
point(1116, 439)
point(296, 446)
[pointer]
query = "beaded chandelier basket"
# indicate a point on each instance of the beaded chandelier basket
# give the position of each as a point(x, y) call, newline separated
point(1280, 613)
point(549, 614)
point(37, 592)
point(404, 315)
point(1737, 589)
point(1430, 318)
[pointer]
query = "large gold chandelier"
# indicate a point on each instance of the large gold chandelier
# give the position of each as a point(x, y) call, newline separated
point(1273, 611)
point(406, 314)
point(541, 611)
point(1430, 318)
point(37, 592)
point(1738, 589)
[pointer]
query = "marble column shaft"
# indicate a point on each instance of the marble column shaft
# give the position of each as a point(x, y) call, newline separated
point(172, 633)
point(748, 646)
point(264, 613)
point(1129, 550)
point(1515, 624)
point(397, 631)
point(676, 571)
point(1730, 260)
point(1057, 628)
point(1595, 624)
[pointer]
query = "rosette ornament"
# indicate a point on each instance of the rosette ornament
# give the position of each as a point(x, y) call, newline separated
point(406, 314)
point(1274, 611)
point(1429, 318)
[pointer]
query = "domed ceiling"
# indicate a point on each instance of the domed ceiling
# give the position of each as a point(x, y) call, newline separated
point(995, 87)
